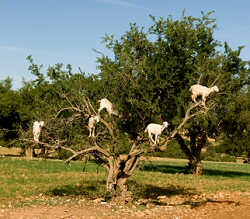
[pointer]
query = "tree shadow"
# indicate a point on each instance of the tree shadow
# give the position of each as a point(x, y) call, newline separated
point(89, 189)
point(173, 169)
point(165, 168)
point(150, 191)
point(226, 173)
point(172, 196)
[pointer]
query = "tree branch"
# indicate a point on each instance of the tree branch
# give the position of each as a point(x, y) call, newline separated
point(109, 128)
point(216, 79)
point(185, 120)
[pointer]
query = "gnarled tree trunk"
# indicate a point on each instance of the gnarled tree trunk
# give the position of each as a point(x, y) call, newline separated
point(196, 166)
point(120, 170)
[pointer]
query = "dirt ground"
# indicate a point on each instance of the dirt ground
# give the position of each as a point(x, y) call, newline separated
point(216, 206)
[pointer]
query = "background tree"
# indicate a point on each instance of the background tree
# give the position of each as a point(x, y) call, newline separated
point(150, 81)
point(9, 116)
point(235, 126)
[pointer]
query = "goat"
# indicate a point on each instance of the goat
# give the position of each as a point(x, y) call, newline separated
point(92, 122)
point(198, 90)
point(37, 128)
point(155, 129)
point(105, 103)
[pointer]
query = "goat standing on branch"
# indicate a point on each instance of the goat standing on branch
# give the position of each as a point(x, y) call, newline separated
point(105, 103)
point(155, 129)
point(92, 123)
point(198, 90)
point(37, 128)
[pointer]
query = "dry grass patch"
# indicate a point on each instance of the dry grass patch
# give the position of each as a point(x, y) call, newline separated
point(4, 151)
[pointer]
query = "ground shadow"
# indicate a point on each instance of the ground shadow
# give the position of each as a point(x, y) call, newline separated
point(173, 169)
point(165, 168)
point(94, 189)
point(90, 189)
point(225, 173)
point(172, 196)
point(148, 192)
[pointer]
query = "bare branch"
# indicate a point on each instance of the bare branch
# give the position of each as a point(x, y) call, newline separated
point(132, 148)
point(109, 128)
point(188, 116)
point(103, 162)
point(199, 81)
point(72, 106)
point(202, 70)
point(75, 153)
point(216, 79)
point(131, 165)
point(67, 108)
point(89, 104)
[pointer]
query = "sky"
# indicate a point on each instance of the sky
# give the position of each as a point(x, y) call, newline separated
point(67, 31)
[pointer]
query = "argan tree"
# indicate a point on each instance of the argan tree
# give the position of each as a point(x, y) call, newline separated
point(147, 82)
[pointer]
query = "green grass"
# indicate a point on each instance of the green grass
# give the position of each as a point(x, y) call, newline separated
point(172, 177)
point(24, 178)
point(29, 180)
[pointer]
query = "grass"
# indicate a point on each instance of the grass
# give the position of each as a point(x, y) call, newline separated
point(172, 177)
point(29, 180)
point(24, 178)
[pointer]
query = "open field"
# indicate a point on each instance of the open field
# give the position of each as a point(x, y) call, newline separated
point(164, 188)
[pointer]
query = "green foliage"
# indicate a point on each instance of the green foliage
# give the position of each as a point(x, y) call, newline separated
point(235, 125)
point(149, 80)
point(62, 155)
point(9, 117)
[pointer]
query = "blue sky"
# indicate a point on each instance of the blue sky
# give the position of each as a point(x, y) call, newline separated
point(67, 31)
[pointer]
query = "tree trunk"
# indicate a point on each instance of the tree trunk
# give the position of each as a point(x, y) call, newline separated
point(196, 166)
point(30, 152)
point(248, 157)
point(117, 183)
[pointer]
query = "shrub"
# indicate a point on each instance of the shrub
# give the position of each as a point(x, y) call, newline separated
point(211, 155)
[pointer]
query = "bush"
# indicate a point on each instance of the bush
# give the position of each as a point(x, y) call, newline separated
point(63, 155)
point(211, 155)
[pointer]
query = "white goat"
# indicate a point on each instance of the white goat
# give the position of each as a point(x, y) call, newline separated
point(105, 103)
point(155, 129)
point(92, 122)
point(198, 90)
point(37, 128)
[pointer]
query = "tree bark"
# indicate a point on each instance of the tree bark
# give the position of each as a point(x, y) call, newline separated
point(120, 170)
point(30, 152)
point(196, 166)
